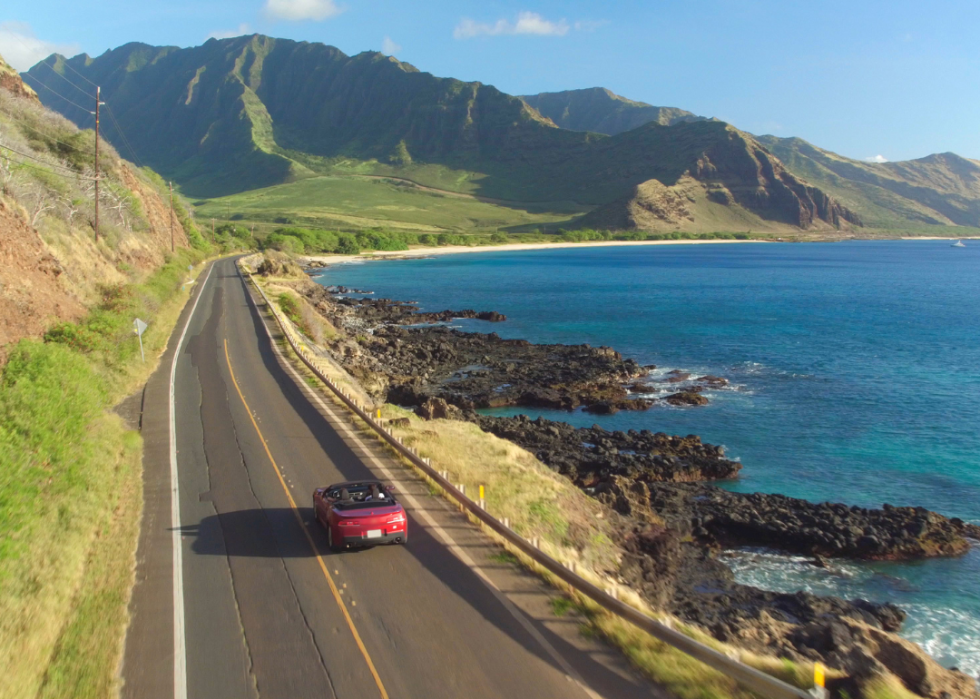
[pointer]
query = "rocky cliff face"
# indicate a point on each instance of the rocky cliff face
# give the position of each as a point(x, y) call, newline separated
point(731, 177)
point(941, 189)
point(11, 82)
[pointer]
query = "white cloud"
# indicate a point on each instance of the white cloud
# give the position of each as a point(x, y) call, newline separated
point(21, 49)
point(389, 47)
point(242, 30)
point(298, 10)
point(527, 23)
point(877, 159)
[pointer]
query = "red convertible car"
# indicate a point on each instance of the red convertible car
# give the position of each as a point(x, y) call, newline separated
point(360, 513)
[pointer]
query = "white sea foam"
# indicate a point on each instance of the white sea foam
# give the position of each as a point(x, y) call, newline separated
point(950, 636)
point(655, 385)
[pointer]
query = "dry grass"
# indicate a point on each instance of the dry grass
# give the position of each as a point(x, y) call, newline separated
point(88, 651)
point(537, 501)
point(680, 674)
point(42, 582)
point(889, 687)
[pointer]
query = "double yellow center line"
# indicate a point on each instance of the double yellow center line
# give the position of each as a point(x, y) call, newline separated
point(309, 538)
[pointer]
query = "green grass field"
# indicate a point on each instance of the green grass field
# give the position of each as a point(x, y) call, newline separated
point(354, 203)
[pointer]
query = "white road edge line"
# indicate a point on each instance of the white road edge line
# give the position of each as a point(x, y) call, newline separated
point(180, 644)
point(447, 539)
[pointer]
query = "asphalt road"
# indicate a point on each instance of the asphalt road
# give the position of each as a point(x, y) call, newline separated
point(268, 611)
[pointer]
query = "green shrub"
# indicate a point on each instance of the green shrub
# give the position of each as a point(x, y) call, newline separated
point(107, 331)
point(449, 239)
point(347, 245)
point(289, 306)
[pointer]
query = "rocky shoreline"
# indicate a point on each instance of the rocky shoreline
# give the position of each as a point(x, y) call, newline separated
point(674, 522)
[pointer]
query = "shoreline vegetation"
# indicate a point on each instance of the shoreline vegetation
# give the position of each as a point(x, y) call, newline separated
point(663, 521)
point(333, 245)
point(428, 251)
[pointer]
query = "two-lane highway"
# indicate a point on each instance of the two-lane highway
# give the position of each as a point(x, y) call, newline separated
point(258, 607)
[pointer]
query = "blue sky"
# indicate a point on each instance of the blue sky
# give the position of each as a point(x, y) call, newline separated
point(896, 79)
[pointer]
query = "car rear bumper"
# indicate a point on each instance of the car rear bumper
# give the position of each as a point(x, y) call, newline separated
point(364, 540)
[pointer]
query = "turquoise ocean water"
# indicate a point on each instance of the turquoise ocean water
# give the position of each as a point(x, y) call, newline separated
point(855, 371)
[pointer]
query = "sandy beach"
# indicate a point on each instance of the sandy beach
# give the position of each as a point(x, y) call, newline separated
point(509, 247)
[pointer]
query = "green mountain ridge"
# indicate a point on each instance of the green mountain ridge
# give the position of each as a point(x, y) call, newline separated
point(938, 190)
point(942, 189)
point(239, 114)
point(602, 111)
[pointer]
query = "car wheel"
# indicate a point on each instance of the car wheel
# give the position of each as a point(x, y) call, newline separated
point(330, 543)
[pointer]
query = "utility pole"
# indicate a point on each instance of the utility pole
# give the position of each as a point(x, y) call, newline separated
point(212, 231)
point(172, 249)
point(98, 101)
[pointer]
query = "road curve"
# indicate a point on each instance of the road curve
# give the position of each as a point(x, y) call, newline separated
point(268, 611)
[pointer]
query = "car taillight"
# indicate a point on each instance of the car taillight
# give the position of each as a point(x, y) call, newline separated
point(397, 518)
point(348, 523)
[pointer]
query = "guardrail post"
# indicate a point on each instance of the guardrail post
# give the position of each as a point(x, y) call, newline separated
point(506, 522)
point(819, 691)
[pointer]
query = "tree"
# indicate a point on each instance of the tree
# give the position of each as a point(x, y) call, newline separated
point(347, 245)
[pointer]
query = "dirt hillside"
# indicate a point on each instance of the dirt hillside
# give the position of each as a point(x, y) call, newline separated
point(51, 268)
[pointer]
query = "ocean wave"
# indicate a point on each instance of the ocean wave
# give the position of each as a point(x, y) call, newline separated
point(764, 370)
point(951, 636)
point(654, 384)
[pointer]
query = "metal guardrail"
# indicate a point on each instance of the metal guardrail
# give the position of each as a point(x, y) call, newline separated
point(750, 678)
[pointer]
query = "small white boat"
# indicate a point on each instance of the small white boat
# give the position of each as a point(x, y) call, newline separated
point(958, 244)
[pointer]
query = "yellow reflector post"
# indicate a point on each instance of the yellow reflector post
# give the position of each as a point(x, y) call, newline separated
point(818, 675)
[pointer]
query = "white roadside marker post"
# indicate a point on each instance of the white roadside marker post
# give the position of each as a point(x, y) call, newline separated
point(139, 327)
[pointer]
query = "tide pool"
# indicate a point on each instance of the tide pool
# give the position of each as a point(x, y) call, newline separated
point(854, 369)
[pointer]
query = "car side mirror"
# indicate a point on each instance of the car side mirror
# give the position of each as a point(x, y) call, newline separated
point(390, 488)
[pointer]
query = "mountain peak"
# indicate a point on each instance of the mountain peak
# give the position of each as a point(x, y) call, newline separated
point(601, 110)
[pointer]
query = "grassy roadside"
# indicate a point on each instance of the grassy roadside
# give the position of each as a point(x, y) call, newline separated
point(70, 494)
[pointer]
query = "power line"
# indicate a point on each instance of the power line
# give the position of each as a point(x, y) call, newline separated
point(122, 133)
point(55, 92)
point(48, 65)
point(21, 42)
point(68, 66)
point(59, 167)
point(42, 134)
